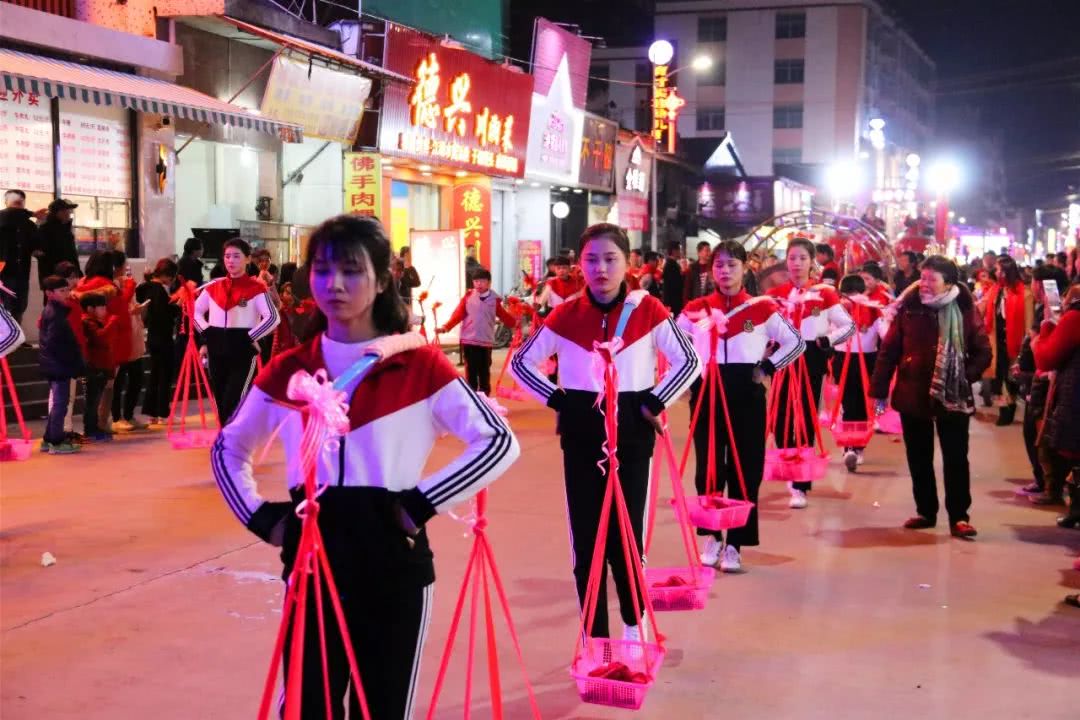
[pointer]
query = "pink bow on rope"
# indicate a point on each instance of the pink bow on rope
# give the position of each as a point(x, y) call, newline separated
point(326, 411)
point(604, 354)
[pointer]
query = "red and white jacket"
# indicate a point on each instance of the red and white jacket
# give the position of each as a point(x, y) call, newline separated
point(752, 322)
point(574, 326)
point(557, 291)
point(396, 413)
point(243, 303)
point(477, 313)
point(11, 333)
point(815, 311)
point(871, 324)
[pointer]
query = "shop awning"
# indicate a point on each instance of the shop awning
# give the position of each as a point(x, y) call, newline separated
point(310, 48)
point(23, 72)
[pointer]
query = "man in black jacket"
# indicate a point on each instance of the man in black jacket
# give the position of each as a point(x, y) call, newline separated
point(18, 233)
point(699, 279)
point(56, 239)
point(674, 278)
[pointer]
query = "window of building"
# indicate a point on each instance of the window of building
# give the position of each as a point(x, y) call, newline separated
point(712, 29)
point(710, 118)
point(790, 25)
point(789, 72)
point(787, 117)
point(598, 79)
point(715, 75)
point(787, 156)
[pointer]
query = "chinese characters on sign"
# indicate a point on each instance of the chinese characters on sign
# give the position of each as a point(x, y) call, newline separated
point(95, 152)
point(463, 110)
point(597, 164)
point(471, 212)
point(531, 259)
point(632, 167)
point(666, 106)
point(327, 103)
point(363, 184)
point(26, 152)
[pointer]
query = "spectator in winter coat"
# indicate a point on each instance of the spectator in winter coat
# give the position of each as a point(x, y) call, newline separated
point(56, 239)
point(907, 272)
point(674, 278)
point(190, 267)
point(60, 360)
point(1010, 313)
point(17, 244)
point(98, 328)
point(937, 347)
point(161, 318)
point(699, 276)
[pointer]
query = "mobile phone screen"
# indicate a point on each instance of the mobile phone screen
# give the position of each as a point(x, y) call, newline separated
point(1053, 297)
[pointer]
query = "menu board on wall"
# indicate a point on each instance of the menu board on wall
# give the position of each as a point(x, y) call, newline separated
point(95, 151)
point(439, 257)
point(26, 156)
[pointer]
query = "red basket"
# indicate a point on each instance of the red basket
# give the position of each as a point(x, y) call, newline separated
point(15, 450)
point(189, 439)
point(795, 465)
point(684, 593)
point(889, 422)
point(716, 512)
point(854, 433)
point(637, 657)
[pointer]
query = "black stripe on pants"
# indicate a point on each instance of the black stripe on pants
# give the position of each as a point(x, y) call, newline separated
point(387, 630)
point(585, 485)
point(746, 404)
point(785, 421)
point(852, 395)
point(953, 434)
point(478, 367)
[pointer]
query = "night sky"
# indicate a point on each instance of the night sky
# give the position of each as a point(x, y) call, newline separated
point(1017, 62)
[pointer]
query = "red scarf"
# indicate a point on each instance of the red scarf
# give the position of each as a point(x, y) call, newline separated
point(230, 292)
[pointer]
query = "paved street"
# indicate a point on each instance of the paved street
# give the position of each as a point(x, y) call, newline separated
point(161, 606)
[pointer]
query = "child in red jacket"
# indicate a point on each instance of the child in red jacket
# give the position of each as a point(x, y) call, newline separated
point(99, 328)
point(477, 312)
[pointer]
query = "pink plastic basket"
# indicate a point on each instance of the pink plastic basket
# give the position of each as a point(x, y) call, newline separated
point(795, 465)
point(15, 450)
point(637, 657)
point(716, 512)
point(889, 422)
point(831, 393)
point(511, 393)
point(856, 433)
point(690, 596)
point(189, 439)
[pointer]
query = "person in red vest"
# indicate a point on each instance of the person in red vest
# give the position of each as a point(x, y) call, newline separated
point(232, 314)
point(1010, 311)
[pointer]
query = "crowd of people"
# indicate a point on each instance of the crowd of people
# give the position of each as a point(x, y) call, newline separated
point(768, 333)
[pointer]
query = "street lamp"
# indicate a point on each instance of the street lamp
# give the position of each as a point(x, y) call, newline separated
point(702, 63)
point(661, 52)
point(942, 177)
point(844, 179)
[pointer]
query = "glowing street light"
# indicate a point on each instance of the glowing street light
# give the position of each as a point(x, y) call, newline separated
point(844, 179)
point(702, 63)
point(943, 177)
point(661, 52)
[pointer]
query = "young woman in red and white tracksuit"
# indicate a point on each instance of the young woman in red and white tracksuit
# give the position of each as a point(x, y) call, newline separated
point(871, 325)
point(232, 314)
point(821, 320)
point(753, 324)
point(378, 497)
point(569, 333)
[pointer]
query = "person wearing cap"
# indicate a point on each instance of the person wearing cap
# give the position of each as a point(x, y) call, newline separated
point(56, 239)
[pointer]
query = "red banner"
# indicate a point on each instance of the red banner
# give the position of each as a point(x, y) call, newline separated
point(464, 111)
point(471, 212)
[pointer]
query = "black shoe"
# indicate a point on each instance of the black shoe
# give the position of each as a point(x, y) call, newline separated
point(1073, 600)
point(1006, 416)
point(1069, 522)
point(1046, 500)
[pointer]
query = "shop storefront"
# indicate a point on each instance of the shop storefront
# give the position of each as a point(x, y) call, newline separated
point(633, 173)
point(75, 131)
point(453, 148)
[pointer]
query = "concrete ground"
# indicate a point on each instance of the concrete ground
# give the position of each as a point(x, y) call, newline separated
point(162, 606)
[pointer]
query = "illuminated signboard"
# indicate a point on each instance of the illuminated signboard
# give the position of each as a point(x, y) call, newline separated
point(362, 180)
point(597, 164)
point(463, 110)
point(666, 106)
point(471, 213)
point(632, 167)
point(555, 131)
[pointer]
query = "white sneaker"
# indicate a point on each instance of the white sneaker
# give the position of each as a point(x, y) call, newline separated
point(851, 459)
point(631, 633)
point(859, 459)
point(798, 499)
point(711, 554)
point(731, 562)
point(122, 426)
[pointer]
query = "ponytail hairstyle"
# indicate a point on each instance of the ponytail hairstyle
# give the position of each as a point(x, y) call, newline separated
point(350, 237)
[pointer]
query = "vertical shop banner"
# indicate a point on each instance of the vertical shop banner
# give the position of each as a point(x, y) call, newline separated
point(531, 259)
point(439, 259)
point(327, 103)
point(471, 213)
point(553, 46)
point(26, 154)
point(362, 179)
point(597, 164)
point(95, 151)
point(632, 170)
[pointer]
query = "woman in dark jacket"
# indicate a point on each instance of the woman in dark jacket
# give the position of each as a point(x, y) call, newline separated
point(937, 347)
